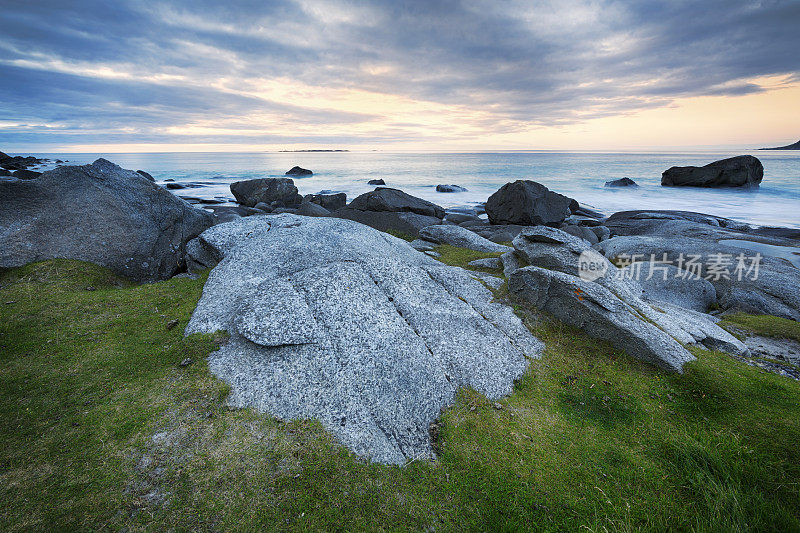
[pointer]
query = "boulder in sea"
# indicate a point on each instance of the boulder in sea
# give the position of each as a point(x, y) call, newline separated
point(739, 171)
point(99, 213)
point(277, 192)
point(140, 172)
point(450, 188)
point(528, 203)
point(330, 201)
point(621, 182)
point(376, 182)
point(298, 171)
point(334, 321)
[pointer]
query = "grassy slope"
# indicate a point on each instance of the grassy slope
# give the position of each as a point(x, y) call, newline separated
point(102, 428)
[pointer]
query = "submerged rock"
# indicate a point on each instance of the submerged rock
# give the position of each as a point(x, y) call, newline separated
point(335, 321)
point(739, 171)
point(298, 171)
point(450, 188)
point(621, 182)
point(376, 182)
point(99, 213)
point(528, 203)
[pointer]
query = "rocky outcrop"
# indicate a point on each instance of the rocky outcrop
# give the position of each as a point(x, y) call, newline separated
point(621, 182)
point(275, 192)
point(580, 287)
point(98, 213)
point(795, 146)
point(670, 284)
point(395, 200)
point(146, 175)
point(298, 171)
point(461, 237)
point(376, 182)
point(450, 188)
point(740, 171)
point(332, 320)
point(330, 201)
point(528, 203)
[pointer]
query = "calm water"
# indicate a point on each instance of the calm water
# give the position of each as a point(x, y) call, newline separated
point(580, 175)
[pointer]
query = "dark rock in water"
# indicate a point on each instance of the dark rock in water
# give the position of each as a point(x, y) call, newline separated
point(140, 172)
point(403, 221)
point(168, 180)
point(528, 203)
point(331, 202)
point(99, 213)
point(175, 186)
point(739, 171)
point(622, 182)
point(297, 171)
point(450, 188)
point(4, 172)
point(395, 200)
point(26, 174)
point(278, 192)
point(376, 182)
point(795, 146)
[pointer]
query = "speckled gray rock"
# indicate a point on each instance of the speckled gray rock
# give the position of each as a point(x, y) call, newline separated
point(277, 192)
point(488, 262)
point(99, 213)
point(332, 320)
point(551, 248)
point(422, 246)
point(461, 237)
point(668, 283)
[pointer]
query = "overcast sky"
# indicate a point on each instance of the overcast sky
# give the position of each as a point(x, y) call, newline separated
point(491, 74)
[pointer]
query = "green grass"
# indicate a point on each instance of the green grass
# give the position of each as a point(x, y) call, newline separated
point(767, 325)
point(101, 428)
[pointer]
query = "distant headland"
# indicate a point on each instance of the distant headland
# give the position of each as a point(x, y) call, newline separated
point(795, 146)
point(298, 151)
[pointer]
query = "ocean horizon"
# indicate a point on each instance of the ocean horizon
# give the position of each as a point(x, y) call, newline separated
point(578, 174)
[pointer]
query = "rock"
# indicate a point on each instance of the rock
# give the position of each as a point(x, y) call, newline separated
point(26, 174)
point(395, 200)
point(579, 220)
point(4, 172)
point(277, 192)
point(493, 282)
point(498, 233)
point(510, 263)
point(172, 323)
point(140, 172)
point(376, 182)
point(774, 291)
point(331, 202)
point(461, 237)
point(450, 188)
point(311, 209)
point(175, 186)
point(584, 211)
point(405, 222)
point(739, 171)
point(582, 232)
point(459, 218)
point(422, 246)
point(551, 248)
point(280, 210)
point(432, 253)
point(297, 171)
point(598, 312)
point(622, 182)
point(795, 146)
point(488, 262)
point(642, 222)
point(334, 321)
point(668, 283)
point(601, 232)
point(98, 213)
point(261, 206)
point(528, 203)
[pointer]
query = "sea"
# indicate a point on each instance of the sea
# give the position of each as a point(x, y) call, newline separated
point(579, 175)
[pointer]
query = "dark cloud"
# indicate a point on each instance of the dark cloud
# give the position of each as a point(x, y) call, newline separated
point(132, 71)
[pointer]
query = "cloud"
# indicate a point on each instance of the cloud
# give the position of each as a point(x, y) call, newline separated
point(330, 71)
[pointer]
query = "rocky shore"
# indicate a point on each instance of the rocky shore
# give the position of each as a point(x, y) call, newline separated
point(332, 316)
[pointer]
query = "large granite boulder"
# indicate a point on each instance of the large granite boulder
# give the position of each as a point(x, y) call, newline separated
point(276, 192)
point(395, 200)
point(99, 213)
point(739, 171)
point(332, 320)
point(330, 201)
point(461, 237)
point(528, 203)
point(614, 303)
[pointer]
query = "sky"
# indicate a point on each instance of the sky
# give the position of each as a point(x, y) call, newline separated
point(202, 75)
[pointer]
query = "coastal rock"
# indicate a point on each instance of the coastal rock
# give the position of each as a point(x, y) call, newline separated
point(450, 188)
point(488, 262)
point(460, 217)
point(311, 209)
point(298, 171)
point(334, 321)
point(668, 283)
point(621, 182)
point(404, 222)
point(582, 232)
point(551, 248)
point(26, 174)
point(739, 171)
point(795, 146)
point(528, 203)
point(395, 200)
point(331, 202)
point(278, 192)
point(4, 172)
point(99, 213)
point(461, 237)
point(376, 182)
point(140, 172)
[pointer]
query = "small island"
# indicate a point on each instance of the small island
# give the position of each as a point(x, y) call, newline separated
point(795, 146)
